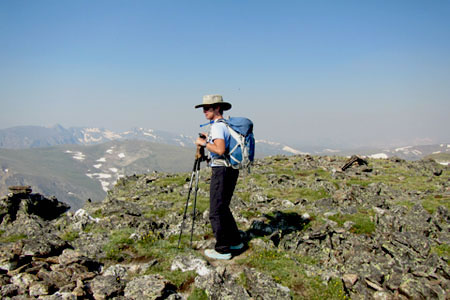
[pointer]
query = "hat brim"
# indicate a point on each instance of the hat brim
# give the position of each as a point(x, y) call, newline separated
point(224, 105)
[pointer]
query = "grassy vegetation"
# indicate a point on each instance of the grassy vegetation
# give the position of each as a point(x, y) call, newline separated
point(247, 213)
point(442, 250)
point(293, 194)
point(198, 294)
point(175, 179)
point(119, 242)
point(164, 251)
point(121, 247)
point(11, 238)
point(362, 221)
point(98, 214)
point(432, 202)
point(70, 236)
point(439, 157)
point(279, 265)
point(403, 177)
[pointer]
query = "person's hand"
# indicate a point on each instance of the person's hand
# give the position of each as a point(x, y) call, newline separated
point(201, 141)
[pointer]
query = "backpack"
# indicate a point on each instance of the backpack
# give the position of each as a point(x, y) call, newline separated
point(241, 151)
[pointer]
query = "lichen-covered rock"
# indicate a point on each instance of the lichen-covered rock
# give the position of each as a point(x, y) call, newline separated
point(38, 289)
point(401, 252)
point(106, 287)
point(219, 284)
point(191, 263)
point(148, 287)
point(81, 219)
point(9, 290)
point(23, 280)
point(59, 296)
point(118, 271)
point(29, 204)
point(262, 286)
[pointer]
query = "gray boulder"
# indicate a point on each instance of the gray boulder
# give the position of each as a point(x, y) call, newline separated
point(149, 287)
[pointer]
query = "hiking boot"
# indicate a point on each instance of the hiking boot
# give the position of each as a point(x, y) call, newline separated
point(237, 247)
point(211, 253)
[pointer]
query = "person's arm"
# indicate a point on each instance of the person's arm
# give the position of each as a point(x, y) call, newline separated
point(218, 145)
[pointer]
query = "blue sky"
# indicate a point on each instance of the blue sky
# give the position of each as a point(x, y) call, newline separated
point(337, 73)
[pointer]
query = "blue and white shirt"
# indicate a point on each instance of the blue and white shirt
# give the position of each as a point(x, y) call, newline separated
point(218, 130)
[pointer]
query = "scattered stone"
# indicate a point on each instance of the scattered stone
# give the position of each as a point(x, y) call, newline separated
point(148, 287)
point(16, 189)
point(191, 263)
point(349, 280)
point(9, 290)
point(262, 286)
point(387, 246)
point(221, 285)
point(381, 295)
point(354, 160)
point(106, 287)
point(38, 289)
point(373, 285)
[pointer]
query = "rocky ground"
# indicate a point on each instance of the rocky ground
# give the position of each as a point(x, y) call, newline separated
point(313, 231)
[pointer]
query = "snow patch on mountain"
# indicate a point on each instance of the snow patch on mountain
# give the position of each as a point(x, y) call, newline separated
point(180, 143)
point(403, 149)
point(98, 175)
point(332, 150)
point(79, 155)
point(88, 139)
point(267, 142)
point(111, 135)
point(292, 150)
point(379, 155)
point(121, 155)
point(105, 185)
point(96, 130)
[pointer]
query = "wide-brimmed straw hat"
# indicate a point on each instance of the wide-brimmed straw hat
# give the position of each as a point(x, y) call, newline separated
point(214, 99)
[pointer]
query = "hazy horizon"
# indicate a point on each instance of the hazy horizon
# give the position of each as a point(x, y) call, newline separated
point(372, 73)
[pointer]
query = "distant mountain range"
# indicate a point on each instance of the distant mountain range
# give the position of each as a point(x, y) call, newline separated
point(407, 153)
point(24, 137)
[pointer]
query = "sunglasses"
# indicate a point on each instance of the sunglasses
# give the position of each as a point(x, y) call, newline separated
point(206, 108)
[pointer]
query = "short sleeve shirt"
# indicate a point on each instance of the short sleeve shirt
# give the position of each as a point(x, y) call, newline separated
point(218, 130)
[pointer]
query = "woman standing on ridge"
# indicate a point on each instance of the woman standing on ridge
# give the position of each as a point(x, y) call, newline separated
point(223, 180)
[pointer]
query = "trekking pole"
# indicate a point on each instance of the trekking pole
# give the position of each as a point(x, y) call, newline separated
point(199, 156)
point(187, 200)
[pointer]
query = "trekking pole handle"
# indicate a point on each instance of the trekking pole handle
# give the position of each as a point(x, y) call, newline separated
point(200, 154)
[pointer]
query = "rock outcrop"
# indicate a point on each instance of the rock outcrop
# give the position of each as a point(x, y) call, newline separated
point(377, 230)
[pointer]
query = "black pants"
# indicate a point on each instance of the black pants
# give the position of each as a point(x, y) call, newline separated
point(223, 182)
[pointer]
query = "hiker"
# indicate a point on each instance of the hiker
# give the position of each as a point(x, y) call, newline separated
point(223, 180)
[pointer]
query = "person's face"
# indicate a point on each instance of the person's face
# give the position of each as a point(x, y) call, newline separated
point(209, 112)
